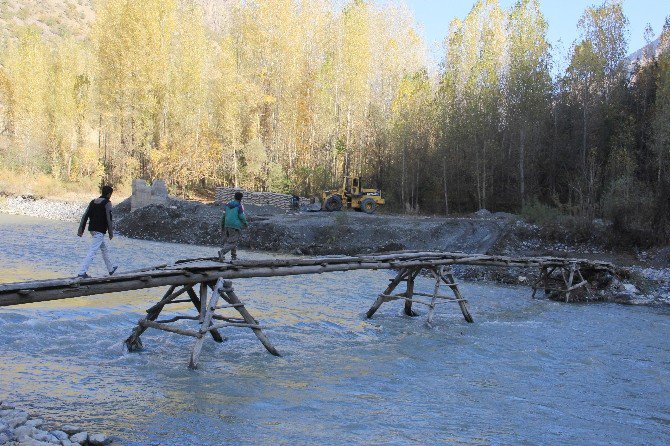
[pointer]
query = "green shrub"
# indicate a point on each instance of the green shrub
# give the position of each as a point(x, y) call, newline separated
point(630, 206)
point(568, 229)
point(539, 213)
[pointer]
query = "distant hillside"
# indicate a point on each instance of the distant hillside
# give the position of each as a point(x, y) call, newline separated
point(54, 18)
point(61, 18)
point(643, 53)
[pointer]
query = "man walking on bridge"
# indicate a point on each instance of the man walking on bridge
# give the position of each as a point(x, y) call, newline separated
point(99, 217)
point(232, 222)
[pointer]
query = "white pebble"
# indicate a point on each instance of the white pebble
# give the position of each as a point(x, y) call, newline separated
point(98, 440)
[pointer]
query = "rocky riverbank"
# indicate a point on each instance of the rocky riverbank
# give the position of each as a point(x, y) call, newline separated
point(18, 428)
point(43, 208)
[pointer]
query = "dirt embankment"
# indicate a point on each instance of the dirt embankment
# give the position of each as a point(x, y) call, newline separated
point(313, 233)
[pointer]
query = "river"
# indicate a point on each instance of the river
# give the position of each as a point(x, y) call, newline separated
point(527, 372)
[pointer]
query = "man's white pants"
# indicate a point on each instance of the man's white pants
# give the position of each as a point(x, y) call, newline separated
point(98, 242)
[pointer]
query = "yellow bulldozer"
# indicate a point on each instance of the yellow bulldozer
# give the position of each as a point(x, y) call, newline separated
point(352, 195)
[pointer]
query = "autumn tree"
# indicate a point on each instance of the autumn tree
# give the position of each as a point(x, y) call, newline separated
point(528, 88)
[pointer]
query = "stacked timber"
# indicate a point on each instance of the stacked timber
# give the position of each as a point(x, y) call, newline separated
point(282, 201)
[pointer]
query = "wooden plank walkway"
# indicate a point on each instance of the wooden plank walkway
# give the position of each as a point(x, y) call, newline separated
point(193, 271)
point(214, 280)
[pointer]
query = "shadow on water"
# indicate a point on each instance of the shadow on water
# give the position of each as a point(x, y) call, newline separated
point(526, 372)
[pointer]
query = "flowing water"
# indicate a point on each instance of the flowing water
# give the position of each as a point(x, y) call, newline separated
point(526, 372)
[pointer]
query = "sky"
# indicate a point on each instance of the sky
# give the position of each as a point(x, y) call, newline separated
point(562, 15)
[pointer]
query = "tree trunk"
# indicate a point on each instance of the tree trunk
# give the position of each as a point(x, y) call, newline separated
point(402, 178)
point(584, 119)
point(522, 174)
point(444, 182)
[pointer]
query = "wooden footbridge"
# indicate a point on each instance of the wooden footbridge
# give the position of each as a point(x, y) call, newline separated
point(215, 298)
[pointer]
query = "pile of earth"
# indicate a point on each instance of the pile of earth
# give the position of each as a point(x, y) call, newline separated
point(313, 233)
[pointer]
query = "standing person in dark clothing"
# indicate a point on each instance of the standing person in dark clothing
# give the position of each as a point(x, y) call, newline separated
point(232, 222)
point(99, 217)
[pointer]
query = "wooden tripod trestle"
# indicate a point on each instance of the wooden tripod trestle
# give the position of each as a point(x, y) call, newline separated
point(567, 284)
point(443, 276)
point(207, 304)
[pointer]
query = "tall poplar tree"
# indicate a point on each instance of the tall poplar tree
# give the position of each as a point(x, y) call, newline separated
point(528, 86)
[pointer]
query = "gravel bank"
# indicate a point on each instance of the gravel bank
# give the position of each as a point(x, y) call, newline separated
point(42, 208)
point(18, 428)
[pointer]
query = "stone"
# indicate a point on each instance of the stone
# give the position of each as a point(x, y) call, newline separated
point(99, 440)
point(23, 432)
point(35, 422)
point(4, 439)
point(45, 436)
point(33, 442)
point(16, 420)
point(70, 429)
point(81, 437)
point(60, 435)
point(630, 288)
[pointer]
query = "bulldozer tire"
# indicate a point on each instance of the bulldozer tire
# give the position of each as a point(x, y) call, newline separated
point(334, 203)
point(368, 205)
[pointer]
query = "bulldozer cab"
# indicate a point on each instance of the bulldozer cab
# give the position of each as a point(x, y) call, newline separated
point(356, 186)
point(352, 185)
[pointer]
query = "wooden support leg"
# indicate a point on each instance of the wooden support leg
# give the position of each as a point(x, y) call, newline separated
point(448, 278)
point(543, 277)
point(206, 319)
point(437, 273)
point(381, 299)
point(586, 284)
point(197, 304)
point(410, 292)
point(133, 343)
point(547, 276)
point(203, 301)
point(229, 296)
point(568, 283)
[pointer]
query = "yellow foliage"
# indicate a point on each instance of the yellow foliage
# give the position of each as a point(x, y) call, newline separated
point(154, 92)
